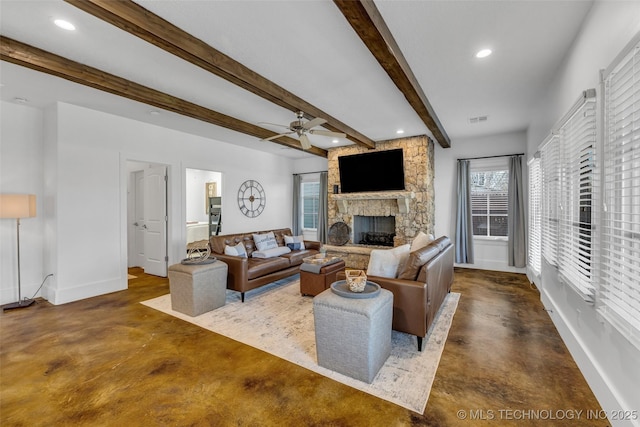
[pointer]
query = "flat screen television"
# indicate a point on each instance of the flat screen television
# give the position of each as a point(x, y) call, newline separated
point(375, 171)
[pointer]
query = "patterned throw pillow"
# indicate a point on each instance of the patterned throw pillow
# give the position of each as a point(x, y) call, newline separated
point(265, 241)
point(294, 242)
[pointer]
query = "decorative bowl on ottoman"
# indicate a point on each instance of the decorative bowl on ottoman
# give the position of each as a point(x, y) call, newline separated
point(356, 279)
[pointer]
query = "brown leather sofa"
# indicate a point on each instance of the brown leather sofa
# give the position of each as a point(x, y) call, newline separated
point(249, 273)
point(416, 302)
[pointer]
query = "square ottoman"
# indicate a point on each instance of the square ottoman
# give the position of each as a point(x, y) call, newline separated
point(315, 279)
point(198, 288)
point(353, 336)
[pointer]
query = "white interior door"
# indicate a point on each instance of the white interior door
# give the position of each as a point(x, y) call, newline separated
point(138, 223)
point(155, 220)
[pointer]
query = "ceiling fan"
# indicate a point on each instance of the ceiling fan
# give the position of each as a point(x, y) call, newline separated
point(303, 128)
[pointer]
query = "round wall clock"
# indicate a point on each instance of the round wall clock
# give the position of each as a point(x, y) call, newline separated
point(251, 198)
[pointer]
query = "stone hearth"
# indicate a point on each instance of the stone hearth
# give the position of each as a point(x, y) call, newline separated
point(413, 208)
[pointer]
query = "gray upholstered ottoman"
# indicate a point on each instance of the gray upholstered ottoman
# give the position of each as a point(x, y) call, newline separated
point(353, 336)
point(198, 288)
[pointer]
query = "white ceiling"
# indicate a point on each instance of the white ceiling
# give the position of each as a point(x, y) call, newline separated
point(309, 48)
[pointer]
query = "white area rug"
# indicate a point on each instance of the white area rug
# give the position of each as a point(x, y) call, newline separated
point(277, 319)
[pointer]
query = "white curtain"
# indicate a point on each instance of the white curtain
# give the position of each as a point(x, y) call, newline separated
point(464, 226)
point(516, 231)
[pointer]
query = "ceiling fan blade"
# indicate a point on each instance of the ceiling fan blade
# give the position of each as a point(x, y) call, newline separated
point(273, 124)
point(313, 123)
point(304, 141)
point(327, 133)
point(276, 136)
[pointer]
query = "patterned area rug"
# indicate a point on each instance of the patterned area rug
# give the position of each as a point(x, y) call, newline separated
point(278, 320)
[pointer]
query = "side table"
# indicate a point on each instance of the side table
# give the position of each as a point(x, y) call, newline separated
point(197, 288)
point(353, 336)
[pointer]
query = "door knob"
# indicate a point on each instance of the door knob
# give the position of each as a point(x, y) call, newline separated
point(144, 226)
point(136, 224)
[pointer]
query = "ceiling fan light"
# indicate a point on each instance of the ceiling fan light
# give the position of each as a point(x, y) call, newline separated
point(483, 53)
point(65, 25)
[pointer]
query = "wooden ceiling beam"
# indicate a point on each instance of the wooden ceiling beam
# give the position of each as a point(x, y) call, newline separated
point(367, 22)
point(37, 59)
point(134, 19)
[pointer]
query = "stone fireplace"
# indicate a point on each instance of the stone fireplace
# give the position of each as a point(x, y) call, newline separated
point(398, 215)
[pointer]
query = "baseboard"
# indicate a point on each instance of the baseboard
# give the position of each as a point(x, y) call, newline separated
point(604, 391)
point(66, 295)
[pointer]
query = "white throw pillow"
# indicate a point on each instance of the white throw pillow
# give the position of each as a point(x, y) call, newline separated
point(270, 253)
point(387, 262)
point(421, 240)
point(236, 250)
point(292, 240)
point(265, 241)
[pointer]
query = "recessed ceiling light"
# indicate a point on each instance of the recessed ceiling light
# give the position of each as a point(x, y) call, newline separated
point(21, 100)
point(483, 53)
point(65, 25)
point(154, 113)
point(335, 141)
point(400, 131)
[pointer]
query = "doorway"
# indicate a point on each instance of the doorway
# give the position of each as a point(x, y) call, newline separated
point(147, 217)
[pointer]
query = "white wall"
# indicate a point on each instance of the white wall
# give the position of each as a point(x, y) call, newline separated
point(608, 361)
point(79, 173)
point(488, 254)
point(21, 161)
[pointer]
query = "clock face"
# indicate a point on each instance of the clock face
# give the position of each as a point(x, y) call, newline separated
point(251, 198)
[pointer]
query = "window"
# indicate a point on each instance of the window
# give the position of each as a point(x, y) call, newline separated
point(535, 216)
point(619, 267)
point(549, 167)
point(310, 202)
point(489, 202)
point(577, 175)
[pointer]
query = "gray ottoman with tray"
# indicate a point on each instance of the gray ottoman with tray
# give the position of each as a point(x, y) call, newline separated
point(198, 288)
point(353, 330)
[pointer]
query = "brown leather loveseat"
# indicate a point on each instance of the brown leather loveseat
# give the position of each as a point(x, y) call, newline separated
point(246, 273)
point(417, 300)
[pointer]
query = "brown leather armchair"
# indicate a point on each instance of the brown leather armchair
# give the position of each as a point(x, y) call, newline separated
point(417, 301)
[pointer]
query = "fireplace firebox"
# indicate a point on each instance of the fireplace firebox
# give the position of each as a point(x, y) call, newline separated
point(374, 230)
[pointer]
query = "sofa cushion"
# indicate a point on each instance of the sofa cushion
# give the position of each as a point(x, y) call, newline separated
point(270, 253)
point(265, 241)
point(417, 259)
point(297, 257)
point(387, 262)
point(258, 267)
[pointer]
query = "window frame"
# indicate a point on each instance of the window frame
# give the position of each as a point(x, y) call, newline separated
point(498, 164)
point(303, 212)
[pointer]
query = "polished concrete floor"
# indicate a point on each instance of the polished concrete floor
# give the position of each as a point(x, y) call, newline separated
point(109, 361)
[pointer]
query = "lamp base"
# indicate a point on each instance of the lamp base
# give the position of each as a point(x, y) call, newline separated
point(20, 304)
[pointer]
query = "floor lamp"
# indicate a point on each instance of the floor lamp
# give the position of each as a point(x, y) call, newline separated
point(18, 206)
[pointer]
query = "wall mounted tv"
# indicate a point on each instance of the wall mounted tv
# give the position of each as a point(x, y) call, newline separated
point(375, 171)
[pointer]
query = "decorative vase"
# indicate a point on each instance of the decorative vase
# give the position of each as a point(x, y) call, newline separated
point(356, 279)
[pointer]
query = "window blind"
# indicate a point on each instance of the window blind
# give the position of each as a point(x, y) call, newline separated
point(535, 216)
point(619, 269)
point(550, 170)
point(577, 184)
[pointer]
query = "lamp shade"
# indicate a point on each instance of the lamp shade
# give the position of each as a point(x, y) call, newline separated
point(17, 205)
